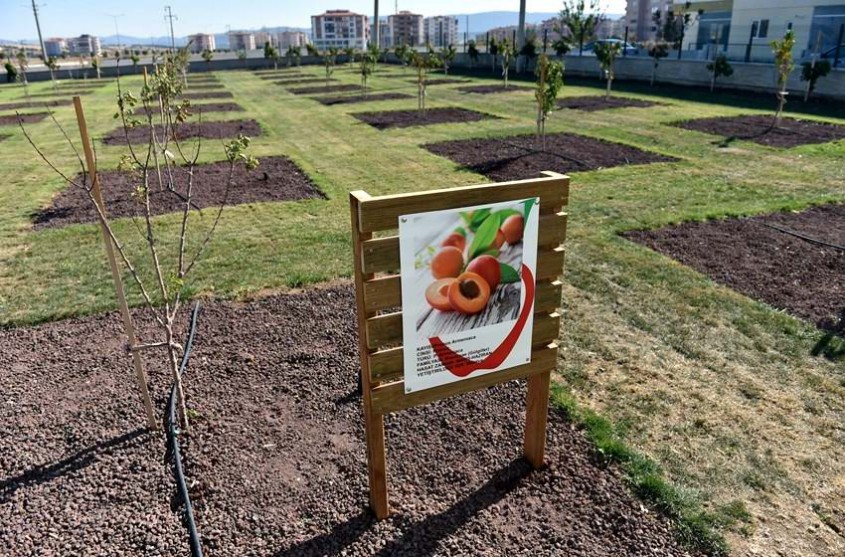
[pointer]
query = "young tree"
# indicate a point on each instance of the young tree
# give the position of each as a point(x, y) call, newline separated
point(581, 19)
point(293, 54)
point(529, 50)
point(134, 58)
point(272, 53)
point(208, 56)
point(402, 52)
point(349, 52)
point(242, 58)
point(811, 72)
point(311, 50)
point(678, 22)
point(329, 60)
point(161, 276)
point(367, 67)
point(656, 50)
point(53, 66)
point(472, 51)
point(11, 72)
point(561, 46)
point(606, 54)
point(549, 82)
point(447, 54)
point(718, 68)
point(784, 64)
point(494, 52)
point(423, 63)
point(507, 51)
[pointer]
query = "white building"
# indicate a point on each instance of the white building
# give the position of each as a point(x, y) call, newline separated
point(385, 33)
point(340, 29)
point(241, 40)
point(201, 42)
point(441, 30)
point(286, 39)
point(85, 45)
point(639, 17)
point(55, 47)
point(264, 37)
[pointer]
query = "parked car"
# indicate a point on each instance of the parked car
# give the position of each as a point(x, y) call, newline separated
point(589, 47)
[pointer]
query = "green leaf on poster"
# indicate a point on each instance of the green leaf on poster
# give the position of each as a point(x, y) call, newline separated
point(509, 274)
point(529, 203)
point(484, 237)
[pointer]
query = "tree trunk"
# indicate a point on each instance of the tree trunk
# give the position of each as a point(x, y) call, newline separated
point(177, 379)
point(653, 73)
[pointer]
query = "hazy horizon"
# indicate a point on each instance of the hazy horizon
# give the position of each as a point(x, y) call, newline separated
point(146, 19)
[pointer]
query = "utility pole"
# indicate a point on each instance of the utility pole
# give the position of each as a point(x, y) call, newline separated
point(170, 16)
point(520, 38)
point(38, 26)
point(376, 25)
point(116, 30)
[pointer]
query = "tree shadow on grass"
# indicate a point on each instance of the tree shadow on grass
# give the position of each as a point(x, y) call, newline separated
point(51, 470)
point(417, 538)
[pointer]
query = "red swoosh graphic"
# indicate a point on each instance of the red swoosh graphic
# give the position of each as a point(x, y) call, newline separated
point(460, 366)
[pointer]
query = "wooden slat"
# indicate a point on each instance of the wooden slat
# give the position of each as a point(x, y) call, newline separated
point(388, 365)
point(392, 397)
point(386, 292)
point(381, 255)
point(382, 213)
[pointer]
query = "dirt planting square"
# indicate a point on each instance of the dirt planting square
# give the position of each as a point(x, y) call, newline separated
point(521, 157)
point(275, 179)
point(354, 99)
point(407, 118)
point(188, 130)
point(761, 129)
point(36, 104)
point(216, 107)
point(208, 95)
point(303, 81)
point(759, 257)
point(31, 118)
point(592, 103)
point(325, 89)
point(492, 89)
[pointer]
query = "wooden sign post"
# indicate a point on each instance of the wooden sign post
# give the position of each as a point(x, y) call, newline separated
point(379, 303)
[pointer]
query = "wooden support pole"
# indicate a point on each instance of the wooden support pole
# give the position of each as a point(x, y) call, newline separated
point(128, 328)
point(373, 422)
point(536, 416)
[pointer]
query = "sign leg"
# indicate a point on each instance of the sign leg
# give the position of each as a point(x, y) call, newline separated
point(536, 417)
point(377, 464)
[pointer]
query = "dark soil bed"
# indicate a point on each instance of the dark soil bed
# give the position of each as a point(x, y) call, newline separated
point(206, 87)
point(63, 93)
point(592, 103)
point(443, 81)
point(407, 118)
point(31, 118)
point(206, 130)
point(361, 98)
point(288, 82)
point(208, 95)
point(38, 104)
point(521, 157)
point(284, 75)
point(488, 89)
point(216, 107)
point(784, 271)
point(276, 179)
point(323, 89)
point(276, 457)
point(790, 132)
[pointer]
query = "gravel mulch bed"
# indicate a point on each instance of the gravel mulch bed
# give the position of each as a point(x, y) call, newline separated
point(406, 118)
point(38, 104)
point(779, 269)
point(329, 101)
point(593, 103)
point(324, 89)
point(187, 130)
point(276, 179)
point(522, 157)
point(489, 89)
point(275, 379)
point(216, 107)
point(790, 132)
point(77, 474)
point(287, 82)
point(208, 95)
point(31, 118)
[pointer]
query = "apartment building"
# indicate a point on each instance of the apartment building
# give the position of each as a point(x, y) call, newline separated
point(639, 17)
point(85, 45)
point(407, 28)
point(242, 40)
point(55, 46)
point(340, 29)
point(201, 42)
point(385, 33)
point(287, 39)
point(441, 30)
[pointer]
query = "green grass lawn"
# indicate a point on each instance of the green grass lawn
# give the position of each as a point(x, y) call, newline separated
point(719, 390)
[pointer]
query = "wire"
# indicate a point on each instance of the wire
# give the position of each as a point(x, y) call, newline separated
point(801, 236)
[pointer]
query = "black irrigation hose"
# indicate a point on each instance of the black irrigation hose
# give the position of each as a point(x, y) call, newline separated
point(173, 444)
point(801, 236)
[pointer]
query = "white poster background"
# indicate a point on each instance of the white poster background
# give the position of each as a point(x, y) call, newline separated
point(420, 235)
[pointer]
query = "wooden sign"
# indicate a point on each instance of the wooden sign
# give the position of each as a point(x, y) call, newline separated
point(380, 317)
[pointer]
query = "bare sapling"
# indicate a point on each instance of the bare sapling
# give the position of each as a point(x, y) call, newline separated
point(207, 56)
point(53, 66)
point(367, 66)
point(161, 166)
point(423, 63)
point(784, 64)
point(506, 49)
point(606, 53)
point(95, 63)
point(717, 68)
point(549, 83)
point(329, 61)
point(447, 55)
point(23, 64)
point(656, 50)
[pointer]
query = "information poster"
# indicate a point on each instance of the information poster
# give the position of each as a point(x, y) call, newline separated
point(468, 285)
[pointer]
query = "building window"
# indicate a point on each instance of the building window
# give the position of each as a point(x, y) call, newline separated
point(763, 29)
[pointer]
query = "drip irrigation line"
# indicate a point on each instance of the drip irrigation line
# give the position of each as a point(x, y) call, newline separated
point(801, 236)
point(173, 442)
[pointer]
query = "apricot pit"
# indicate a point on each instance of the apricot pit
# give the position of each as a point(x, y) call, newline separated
point(469, 293)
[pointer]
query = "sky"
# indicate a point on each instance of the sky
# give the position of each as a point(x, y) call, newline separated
point(144, 18)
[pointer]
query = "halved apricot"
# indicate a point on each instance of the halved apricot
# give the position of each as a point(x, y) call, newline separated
point(447, 263)
point(437, 294)
point(488, 267)
point(469, 293)
point(512, 228)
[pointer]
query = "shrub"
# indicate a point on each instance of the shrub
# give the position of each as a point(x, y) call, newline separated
point(718, 68)
point(811, 72)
